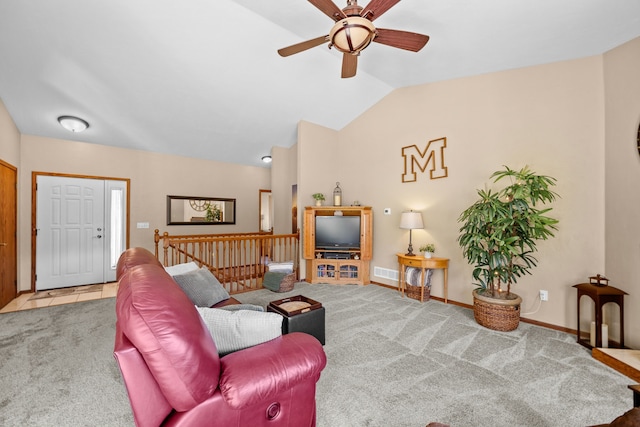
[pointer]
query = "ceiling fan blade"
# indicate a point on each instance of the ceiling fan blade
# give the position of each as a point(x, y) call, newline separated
point(401, 39)
point(329, 8)
point(376, 8)
point(299, 47)
point(349, 65)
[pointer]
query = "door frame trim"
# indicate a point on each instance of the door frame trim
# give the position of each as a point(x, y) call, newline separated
point(15, 221)
point(34, 199)
point(260, 207)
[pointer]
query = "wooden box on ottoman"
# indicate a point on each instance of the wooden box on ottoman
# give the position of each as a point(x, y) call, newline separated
point(301, 314)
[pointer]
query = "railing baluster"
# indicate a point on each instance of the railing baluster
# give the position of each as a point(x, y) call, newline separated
point(238, 260)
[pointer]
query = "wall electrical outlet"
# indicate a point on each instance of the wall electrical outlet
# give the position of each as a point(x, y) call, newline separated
point(544, 295)
point(387, 211)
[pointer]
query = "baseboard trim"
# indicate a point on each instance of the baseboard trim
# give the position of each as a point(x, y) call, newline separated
point(549, 326)
point(607, 356)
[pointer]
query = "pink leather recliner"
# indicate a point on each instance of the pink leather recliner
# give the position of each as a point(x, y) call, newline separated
point(171, 367)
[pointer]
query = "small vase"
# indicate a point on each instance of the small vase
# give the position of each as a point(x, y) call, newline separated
point(427, 254)
point(318, 202)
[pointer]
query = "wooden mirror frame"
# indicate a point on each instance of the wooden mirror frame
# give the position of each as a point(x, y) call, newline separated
point(639, 139)
point(180, 207)
point(264, 209)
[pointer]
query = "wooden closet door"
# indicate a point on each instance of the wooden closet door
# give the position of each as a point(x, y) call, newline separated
point(8, 244)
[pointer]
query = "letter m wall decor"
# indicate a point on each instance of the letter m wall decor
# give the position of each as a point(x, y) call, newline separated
point(432, 157)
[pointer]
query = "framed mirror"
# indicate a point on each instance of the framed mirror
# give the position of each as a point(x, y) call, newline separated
point(192, 210)
point(639, 139)
point(265, 221)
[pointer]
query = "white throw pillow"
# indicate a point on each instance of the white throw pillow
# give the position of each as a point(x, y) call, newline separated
point(235, 330)
point(281, 267)
point(174, 270)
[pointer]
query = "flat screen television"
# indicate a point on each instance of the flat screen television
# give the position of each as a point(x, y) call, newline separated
point(338, 232)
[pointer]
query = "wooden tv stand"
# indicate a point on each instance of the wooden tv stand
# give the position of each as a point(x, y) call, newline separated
point(350, 266)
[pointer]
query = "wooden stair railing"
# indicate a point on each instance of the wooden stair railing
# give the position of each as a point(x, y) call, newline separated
point(238, 260)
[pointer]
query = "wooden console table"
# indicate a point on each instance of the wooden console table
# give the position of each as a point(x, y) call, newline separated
point(423, 263)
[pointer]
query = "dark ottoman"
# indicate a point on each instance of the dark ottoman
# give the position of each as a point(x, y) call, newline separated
point(301, 314)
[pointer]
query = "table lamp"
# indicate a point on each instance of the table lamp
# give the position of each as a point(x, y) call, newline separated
point(410, 221)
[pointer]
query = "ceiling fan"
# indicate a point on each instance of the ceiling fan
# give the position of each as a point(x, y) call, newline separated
point(354, 31)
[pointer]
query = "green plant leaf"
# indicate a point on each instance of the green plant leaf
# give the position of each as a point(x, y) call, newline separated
point(499, 231)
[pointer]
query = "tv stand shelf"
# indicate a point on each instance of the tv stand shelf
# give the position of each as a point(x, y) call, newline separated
point(337, 254)
point(337, 271)
point(340, 265)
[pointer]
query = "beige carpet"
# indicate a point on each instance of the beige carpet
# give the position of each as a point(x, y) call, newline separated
point(394, 361)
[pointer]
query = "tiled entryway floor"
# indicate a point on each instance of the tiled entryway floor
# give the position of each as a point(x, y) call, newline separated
point(24, 301)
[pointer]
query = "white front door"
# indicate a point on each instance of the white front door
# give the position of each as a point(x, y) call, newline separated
point(70, 239)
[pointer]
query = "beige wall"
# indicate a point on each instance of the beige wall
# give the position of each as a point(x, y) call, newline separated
point(9, 138)
point(320, 162)
point(153, 177)
point(549, 117)
point(10, 153)
point(320, 167)
point(573, 120)
point(283, 176)
point(622, 166)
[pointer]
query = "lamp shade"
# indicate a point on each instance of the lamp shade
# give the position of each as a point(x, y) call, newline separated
point(411, 220)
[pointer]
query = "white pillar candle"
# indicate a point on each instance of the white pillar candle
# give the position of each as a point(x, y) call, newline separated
point(592, 336)
point(605, 335)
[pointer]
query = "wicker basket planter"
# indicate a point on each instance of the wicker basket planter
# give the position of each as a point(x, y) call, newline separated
point(413, 278)
point(414, 292)
point(287, 283)
point(496, 314)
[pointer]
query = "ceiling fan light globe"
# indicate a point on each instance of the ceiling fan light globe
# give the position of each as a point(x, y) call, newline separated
point(351, 35)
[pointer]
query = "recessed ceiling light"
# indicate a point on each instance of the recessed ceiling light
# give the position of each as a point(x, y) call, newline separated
point(73, 124)
point(266, 159)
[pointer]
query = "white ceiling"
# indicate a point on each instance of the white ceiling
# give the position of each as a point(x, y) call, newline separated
point(203, 79)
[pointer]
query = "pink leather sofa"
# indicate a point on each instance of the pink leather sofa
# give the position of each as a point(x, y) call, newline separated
point(172, 371)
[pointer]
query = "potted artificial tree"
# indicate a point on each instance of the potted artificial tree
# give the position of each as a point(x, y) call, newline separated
point(498, 237)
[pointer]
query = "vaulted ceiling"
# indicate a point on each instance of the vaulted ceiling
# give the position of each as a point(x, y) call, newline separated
point(203, 79)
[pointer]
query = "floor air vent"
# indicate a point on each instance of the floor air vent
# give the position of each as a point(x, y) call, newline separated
point(385, 273)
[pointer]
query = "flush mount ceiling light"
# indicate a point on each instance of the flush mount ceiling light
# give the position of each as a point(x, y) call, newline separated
point(266, 159)
point(73, 124)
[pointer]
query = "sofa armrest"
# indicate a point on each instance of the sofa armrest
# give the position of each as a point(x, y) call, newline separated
point(147, 401)
point(258, 373)
point(226, 303)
